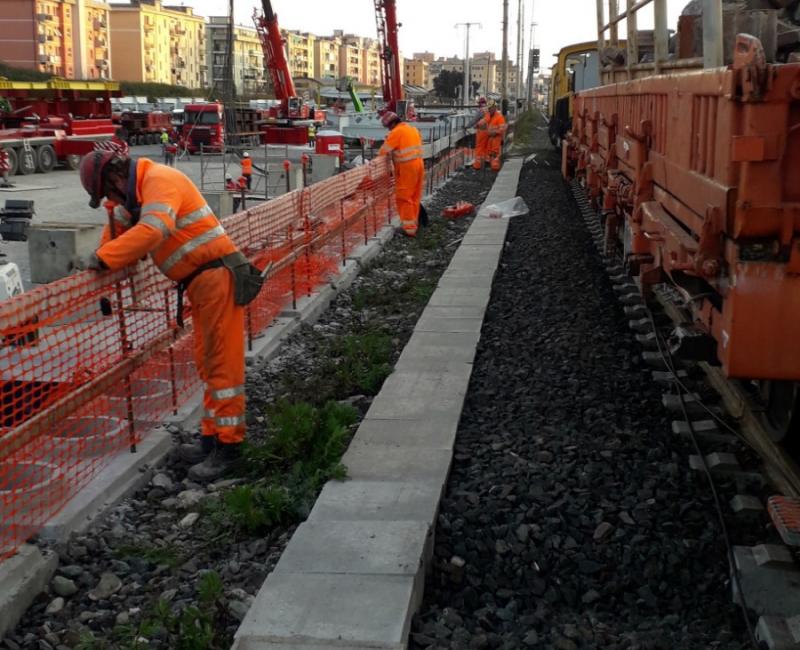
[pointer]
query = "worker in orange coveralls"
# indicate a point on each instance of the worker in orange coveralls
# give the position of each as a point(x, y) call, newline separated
point(157, 210)
point(481, 135)
point(247, 168)
point(404, 144)
point(495, 126)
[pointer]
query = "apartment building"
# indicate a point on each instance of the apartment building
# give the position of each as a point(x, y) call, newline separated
point(163, 44)
point(371, 62)
point(249, 75)
point(416, 73)
point(300, 48)
point(428, 57)
point(65, 38)
point(326, 57)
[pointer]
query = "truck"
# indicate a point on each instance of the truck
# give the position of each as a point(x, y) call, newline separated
point(204, 127)
point(144, 127)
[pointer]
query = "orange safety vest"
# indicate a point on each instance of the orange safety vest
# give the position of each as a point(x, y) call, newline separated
point(404, 143)
point(495, 125)
point(247, 166)
point(176, 226)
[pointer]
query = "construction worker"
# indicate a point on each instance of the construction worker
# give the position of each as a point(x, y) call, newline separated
point(247, 168)
point(170, 151)
point(404, 144)
point(312, 134)
point(496, 128)
point(5, 168)
point(159, 211)
point(481, 135)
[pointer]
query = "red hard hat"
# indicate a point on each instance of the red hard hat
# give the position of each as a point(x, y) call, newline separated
point(91, 171)
point(389, 118)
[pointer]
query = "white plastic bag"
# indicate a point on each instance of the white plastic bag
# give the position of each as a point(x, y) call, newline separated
point(515, 207)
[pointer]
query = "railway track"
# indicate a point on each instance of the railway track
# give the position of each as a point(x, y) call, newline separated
point(732, 421)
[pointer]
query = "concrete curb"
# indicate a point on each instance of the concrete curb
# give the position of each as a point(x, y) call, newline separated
point(25, 574)
point(352, 576)
point(22, 577)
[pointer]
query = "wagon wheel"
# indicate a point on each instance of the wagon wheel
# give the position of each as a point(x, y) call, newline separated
point(781, 416)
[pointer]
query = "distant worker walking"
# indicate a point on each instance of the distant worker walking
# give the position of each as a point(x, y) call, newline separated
point(159, 211)
point(5, 168)
point(404, 144)
point(247, 169)
point(495, 126)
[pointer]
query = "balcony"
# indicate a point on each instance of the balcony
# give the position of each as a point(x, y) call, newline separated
point(99, 41)
point(44, 59)
point(99, 24)
point(101, 63)
point(43, 17)
point(180, 63)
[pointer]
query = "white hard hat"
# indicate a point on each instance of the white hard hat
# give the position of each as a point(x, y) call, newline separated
point(246, 154)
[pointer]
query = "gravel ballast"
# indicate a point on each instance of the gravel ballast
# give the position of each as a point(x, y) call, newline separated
point(571, 518)
point(148, 559)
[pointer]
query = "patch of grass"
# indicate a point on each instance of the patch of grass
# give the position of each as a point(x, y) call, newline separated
point(191, 628)
point(153, 554)
point(301, 452)
point(524, 128)
point(360, 362)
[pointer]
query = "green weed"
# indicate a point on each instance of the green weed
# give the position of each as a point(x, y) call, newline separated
point(359, 363)
point(153, 554)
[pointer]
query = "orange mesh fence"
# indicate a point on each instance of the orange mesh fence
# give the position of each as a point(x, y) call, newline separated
point(91, 362)
point(445, 166)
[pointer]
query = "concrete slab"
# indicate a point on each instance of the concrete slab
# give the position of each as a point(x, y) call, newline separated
point(771, 586)
point(387, 232)
point(432, 324)
point(398, 405)
point(346, 276)
point(382, 500)
point(435, 346)
point(357, 547)
point(124, 474)
point(430, 433)
point(22, 577)
point(329, 611)
point(453, 296)
point(266, 346)
point(372, 462)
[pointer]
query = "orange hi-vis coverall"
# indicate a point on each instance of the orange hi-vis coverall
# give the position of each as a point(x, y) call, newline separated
point(481, 140)
point(494, 146)
point(181, 234)
point(404, 143)
point(247, 170)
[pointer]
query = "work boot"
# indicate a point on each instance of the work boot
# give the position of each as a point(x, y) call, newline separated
point(399, 230)
point(197, 451)
point(216, 464)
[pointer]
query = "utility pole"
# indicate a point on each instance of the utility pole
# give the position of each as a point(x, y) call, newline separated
point(466, 88)
point(531, 66)
point(504, 64)
point(520, 50)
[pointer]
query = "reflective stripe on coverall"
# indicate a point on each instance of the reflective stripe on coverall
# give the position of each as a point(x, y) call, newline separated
point(481, 140)
point(180, 232)
point(404, 143)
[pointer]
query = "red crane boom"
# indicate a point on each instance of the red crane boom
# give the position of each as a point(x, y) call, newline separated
point(386, 18)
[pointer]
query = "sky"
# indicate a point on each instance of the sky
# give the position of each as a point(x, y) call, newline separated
point(430, 24)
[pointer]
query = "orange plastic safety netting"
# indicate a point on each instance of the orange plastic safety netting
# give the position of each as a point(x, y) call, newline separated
point(91, 362)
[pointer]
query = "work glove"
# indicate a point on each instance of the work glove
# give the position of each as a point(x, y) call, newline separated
point(94, 263)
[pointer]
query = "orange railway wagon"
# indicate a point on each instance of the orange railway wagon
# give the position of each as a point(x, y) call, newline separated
point(696, 178)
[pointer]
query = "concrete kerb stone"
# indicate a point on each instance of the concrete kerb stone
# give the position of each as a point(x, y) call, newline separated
point(22, 578)
point(398, 462)
point(125, 473)
point(267, 345)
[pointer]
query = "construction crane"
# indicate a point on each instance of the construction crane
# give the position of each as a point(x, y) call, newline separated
point(386, 18)
point(285, 128)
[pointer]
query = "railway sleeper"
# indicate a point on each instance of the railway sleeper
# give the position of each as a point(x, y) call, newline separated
point(768, 577)
point(691, 402)
point(747, 505)
point(778, 632)
point(705, 430)
point(667, 376)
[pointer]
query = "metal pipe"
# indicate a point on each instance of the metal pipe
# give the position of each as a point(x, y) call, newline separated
point(616, 17)
point(632, 39)
point(613, 10)
point(713, 54)
point(661, 33)
point(504, 66)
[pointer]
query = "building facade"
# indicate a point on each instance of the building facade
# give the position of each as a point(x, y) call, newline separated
point(416, 73)
point(249, 75)
point(162, 44)
point(300, 53)
point(326, 57)
point(64, 38)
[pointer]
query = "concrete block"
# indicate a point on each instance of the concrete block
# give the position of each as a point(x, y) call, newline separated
point(310, 308)
point(347, 274)
point(667, 377)
point(398, 406)
point(648, 341)
point(365, 253)
point(706, 430)
point(436, 311)
point(439, 346)
point(385, 234)
point(383, 500)
point(55, 248)
point(477, 238)
point(779, 633)
point(125, 473)
point(368, 462)
point(430, 433)
point(428, 323)
point(220, 202)
point(718, 463)
point(267, 344)
point(746, 504)
point(22, 577)
point(770, 585)
point(449, 296)
point(328, 611)
point(357, 548)
point(462, 279)
point(691, 402)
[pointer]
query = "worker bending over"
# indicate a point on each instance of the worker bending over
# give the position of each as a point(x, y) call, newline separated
point(404, 144)
point(494, 124)
point(159, 211)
